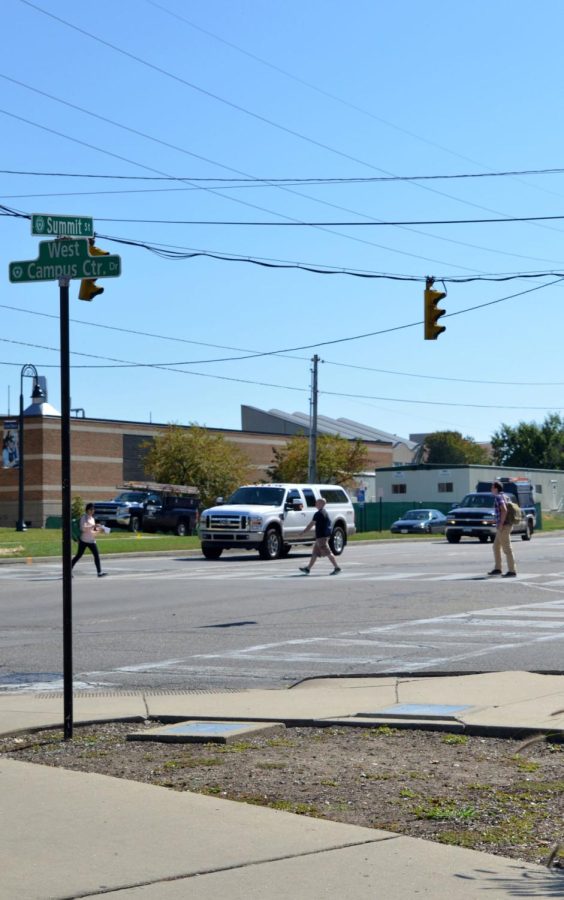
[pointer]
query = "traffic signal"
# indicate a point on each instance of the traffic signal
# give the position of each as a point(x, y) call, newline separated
point(433, 313)
point(88, 287)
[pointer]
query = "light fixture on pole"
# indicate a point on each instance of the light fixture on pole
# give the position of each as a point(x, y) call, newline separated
point(37, 396)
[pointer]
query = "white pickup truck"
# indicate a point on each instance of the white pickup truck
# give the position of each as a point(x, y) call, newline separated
point(270, 518)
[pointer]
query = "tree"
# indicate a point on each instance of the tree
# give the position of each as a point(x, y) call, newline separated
point(338, 459)
point(530, 445)
point(194, 456)
point(450, 448)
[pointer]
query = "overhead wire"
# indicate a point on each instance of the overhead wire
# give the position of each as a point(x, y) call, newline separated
point(324, 92)
point(173, 252)
point(329, 362)
point(317, 344)
point(269, 180)
point(238, 107)
point(212, 190)
point(301, 389)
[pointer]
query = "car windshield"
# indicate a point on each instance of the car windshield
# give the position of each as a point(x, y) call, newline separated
point(417, 514)
point(130, 497)
point(478, 500)
point(258, 496)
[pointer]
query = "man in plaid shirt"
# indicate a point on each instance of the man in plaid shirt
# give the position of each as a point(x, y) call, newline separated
point(503, 534)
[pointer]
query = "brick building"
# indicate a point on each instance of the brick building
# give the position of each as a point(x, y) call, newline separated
point(105, 453)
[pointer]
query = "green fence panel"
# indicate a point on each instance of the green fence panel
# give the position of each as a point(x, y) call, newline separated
point(379, 516)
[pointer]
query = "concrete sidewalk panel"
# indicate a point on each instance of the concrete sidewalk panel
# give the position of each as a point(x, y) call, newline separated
point(70, 833)
point(395, 870)
point(19, 712)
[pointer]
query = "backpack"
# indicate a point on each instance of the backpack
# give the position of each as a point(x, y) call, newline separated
point(513, 515)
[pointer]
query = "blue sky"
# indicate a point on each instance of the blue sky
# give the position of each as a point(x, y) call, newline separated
point(315, 90)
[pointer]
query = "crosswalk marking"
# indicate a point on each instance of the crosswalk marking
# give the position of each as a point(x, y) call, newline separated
point(256, 571)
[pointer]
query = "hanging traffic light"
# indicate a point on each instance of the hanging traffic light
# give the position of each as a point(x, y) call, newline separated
point(88, 287)
point(432, 311)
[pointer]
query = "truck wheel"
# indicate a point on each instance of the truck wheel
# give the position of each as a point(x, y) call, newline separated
point(134, 523)
point(182, 528)
point(286, 550)
point(211, 552)
point(453, 538)
point(483, 538)
point(338, 540)
point(271, 547)
point(526, 536)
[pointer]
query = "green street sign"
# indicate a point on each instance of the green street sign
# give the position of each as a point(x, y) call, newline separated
point(62, 226)
point(64, 259)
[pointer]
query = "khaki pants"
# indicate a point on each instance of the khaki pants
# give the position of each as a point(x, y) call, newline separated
point(503, 542)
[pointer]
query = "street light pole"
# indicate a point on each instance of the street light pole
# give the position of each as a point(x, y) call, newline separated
point(31, 372)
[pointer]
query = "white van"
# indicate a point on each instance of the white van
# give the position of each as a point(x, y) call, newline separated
point(271, 517)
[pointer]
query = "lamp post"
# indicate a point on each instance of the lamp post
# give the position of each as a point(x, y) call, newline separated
point(37, 394)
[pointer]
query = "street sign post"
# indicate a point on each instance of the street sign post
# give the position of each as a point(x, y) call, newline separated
point(64, 259)
point(61, 260)
point(44, 225)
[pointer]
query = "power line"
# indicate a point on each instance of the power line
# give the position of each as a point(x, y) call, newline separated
point(176, 339)
point(372, 223)
point(269, 180)
point(167, 251)
point(213, 191)
point(124, 364)
point(235, 106)
point(286, 387)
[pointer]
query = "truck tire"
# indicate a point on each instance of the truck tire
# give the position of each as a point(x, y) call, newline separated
point(182, 528)
point(211, 552)
point(453, 538)
point(271, 547)
point(134, 523)
point(527, 534)
point(483, 538)
point(338, 540)
point(285, 550)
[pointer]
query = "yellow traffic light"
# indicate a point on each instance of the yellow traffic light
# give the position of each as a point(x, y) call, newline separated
point(88, 287)
point(432, 312)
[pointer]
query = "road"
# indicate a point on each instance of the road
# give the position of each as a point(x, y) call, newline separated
point(171, 623)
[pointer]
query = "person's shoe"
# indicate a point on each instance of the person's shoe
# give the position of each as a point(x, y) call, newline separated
point(335, 571)
point(495, 572)
point(102, 574)
point(304, 569)
point(510, 575)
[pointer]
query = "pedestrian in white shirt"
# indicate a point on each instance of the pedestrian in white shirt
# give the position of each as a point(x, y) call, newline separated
point(87, 540)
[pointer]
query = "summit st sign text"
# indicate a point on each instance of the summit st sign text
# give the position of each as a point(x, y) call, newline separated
point(44, 225)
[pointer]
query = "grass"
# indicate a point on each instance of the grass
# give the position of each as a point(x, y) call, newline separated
point(552, 522)
point(38, 542)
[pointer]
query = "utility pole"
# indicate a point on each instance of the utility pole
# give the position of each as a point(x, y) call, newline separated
point(312, 457)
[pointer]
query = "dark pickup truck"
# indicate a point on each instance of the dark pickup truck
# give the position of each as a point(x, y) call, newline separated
point(474, 516)
point(176, 510)
point(126, 510)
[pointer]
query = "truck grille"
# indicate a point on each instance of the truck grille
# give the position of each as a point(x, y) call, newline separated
point(473, 518)
point(226, 522)
point(105, 509)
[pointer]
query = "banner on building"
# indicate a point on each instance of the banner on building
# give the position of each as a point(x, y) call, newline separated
point(10, 444)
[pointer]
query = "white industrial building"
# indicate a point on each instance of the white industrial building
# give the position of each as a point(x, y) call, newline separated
point(432, 484)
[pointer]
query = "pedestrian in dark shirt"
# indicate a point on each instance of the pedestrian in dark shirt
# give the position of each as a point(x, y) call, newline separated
point(322, 525)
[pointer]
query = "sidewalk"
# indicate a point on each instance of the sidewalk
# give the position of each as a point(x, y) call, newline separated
point(69, 835)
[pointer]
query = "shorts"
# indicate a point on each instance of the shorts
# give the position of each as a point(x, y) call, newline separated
point(321, 547)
